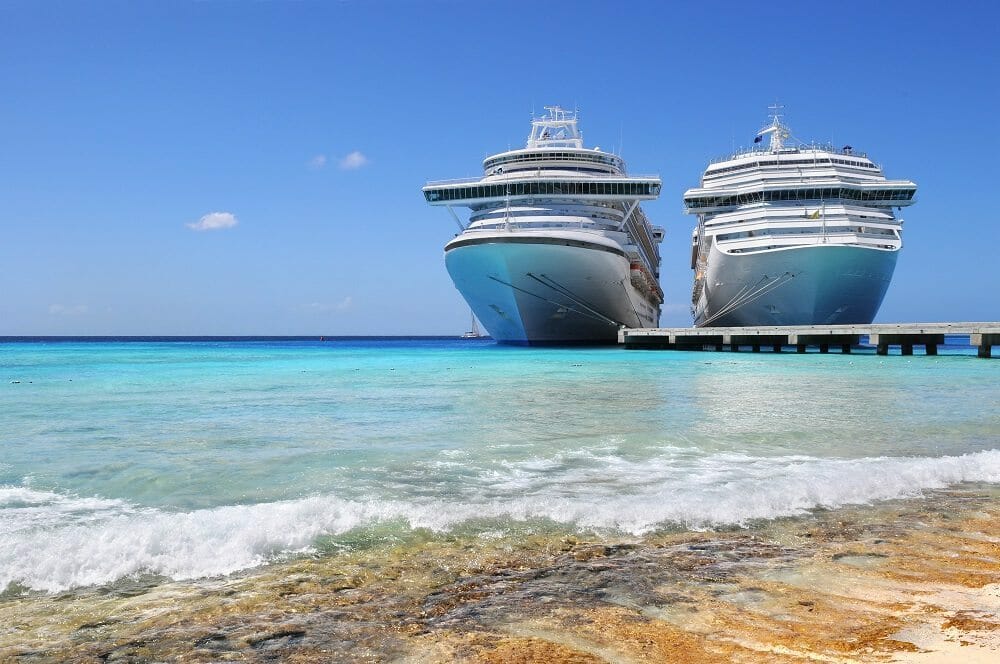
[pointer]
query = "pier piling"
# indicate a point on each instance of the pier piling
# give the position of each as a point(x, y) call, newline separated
point(984, 341)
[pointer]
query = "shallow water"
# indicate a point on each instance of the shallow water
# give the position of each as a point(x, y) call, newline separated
point(170, 460)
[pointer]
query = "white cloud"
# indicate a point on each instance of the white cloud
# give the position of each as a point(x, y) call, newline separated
point(353, 161)
point(68, 310)
point(317, 162)
point(326, 307)
point(214, 221)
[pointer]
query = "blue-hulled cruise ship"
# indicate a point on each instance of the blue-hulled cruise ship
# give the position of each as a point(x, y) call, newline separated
point(556, 248)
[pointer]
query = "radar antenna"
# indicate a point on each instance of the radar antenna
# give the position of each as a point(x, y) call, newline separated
point(776, 130)
point(557, 129)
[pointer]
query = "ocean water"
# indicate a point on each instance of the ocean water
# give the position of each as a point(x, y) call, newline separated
point(192, 459)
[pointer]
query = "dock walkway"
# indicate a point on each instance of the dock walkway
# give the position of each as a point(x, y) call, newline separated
point(905, 335)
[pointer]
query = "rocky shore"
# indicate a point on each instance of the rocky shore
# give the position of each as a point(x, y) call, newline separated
point(915, 580)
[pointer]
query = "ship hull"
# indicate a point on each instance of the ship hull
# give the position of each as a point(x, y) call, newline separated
point(529, 289)
point(814, 285)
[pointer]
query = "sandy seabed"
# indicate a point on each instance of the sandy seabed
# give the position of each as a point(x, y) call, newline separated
point(914, 580)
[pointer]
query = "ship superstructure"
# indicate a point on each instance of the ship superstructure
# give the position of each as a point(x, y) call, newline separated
point(793, 234)
point(556, 248)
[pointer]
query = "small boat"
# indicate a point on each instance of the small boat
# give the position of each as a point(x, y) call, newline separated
point(474, 332)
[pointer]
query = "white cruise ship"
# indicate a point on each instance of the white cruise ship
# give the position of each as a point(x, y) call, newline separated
point(556, 248)
point(793, 235)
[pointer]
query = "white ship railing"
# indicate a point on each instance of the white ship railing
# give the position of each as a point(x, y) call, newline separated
point(517, 176)
point(762, 151)
point(431, 183)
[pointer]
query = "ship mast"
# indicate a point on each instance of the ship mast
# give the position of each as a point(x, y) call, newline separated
point(558, 129)
point(776, 130)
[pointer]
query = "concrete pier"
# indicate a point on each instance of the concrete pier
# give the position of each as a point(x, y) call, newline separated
point(984, 340)
point(906, 336)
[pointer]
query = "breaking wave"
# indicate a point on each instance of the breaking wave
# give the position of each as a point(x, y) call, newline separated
point(52, 542)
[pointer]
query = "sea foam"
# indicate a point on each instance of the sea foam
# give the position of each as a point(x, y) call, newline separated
point(51, 541)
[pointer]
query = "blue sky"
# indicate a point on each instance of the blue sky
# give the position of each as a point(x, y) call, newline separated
point(303, 131)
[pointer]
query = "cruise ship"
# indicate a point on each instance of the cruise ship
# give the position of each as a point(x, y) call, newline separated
point(793, 234)
point(556, 249)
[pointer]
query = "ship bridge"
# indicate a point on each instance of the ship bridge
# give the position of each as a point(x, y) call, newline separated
point(884, 193)
point(469, 193)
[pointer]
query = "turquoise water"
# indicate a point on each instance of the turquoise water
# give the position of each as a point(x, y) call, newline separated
point(190, 459)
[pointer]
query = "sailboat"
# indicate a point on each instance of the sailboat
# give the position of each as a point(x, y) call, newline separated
point(474, 332)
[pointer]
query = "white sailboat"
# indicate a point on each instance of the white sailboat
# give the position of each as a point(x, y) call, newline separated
point(473, 333)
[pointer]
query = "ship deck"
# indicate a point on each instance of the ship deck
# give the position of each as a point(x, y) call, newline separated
point(800, 338)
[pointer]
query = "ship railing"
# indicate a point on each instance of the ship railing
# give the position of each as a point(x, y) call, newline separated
point(432, 183)
point(518, 176)
point(764, 150)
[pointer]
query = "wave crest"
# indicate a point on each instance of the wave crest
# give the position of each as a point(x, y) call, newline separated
point(52, 542)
